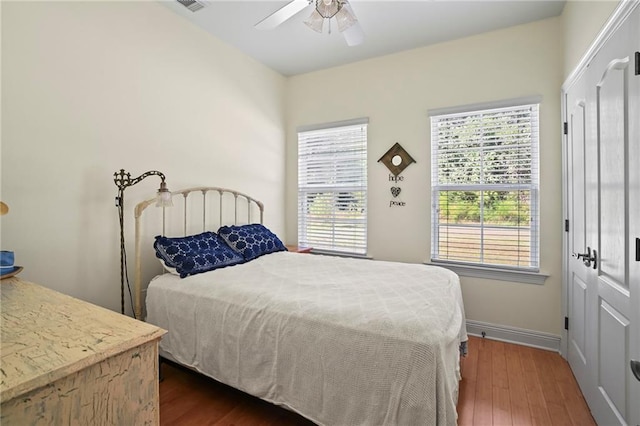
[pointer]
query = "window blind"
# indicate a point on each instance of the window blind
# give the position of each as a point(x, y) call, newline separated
point(484, 187)
point(332, 188)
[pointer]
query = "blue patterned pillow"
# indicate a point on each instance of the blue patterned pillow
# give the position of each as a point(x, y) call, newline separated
point(251, 241)
point(196, 253)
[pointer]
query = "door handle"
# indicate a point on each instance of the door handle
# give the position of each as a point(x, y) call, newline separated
point(588, 257)
point(635, 368)
point(593, 258)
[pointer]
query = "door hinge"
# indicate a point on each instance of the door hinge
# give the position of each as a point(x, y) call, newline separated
point(565, 128)
point(566, 323)
point(637, 63)
point(566, 225)
point(637, 249)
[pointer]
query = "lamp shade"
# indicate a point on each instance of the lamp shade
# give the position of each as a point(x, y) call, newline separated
point(315, 21)
point(163, 198)
point(345, 18)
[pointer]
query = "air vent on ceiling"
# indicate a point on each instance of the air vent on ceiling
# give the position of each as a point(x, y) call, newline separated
point(193, 5)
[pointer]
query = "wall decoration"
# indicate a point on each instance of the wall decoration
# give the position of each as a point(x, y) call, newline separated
point(396, 159)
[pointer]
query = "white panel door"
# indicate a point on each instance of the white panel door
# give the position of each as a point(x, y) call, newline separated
point(603, 179)
point(633, 241)
point(577, 211)
point(611, 84)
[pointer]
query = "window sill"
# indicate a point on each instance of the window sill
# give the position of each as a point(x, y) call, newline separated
point(494, 273)
point(340, 254)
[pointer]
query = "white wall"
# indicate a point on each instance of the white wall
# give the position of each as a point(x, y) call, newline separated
point(395, 92)
point(581, 23)
point(89, 88)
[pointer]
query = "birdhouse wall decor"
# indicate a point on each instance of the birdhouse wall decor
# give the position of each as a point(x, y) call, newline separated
point(396, 159)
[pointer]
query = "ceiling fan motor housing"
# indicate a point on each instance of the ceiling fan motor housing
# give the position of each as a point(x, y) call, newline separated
point(328, 8)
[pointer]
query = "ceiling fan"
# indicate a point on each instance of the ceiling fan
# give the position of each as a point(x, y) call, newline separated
point(346, 20)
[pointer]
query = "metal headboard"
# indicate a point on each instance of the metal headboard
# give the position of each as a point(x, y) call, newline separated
point(203, 192)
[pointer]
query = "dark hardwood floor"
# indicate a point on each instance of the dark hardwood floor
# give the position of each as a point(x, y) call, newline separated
point(502, 384)
point(188, 398)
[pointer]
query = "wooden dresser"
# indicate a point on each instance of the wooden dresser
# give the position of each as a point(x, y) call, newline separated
point(65, 361)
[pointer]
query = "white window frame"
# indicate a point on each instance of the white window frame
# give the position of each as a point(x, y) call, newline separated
point(529, 274)
point(334, 243)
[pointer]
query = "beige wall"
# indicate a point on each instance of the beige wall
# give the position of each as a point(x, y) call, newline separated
point(92, 87)
point(581, 23)
point(396, 92)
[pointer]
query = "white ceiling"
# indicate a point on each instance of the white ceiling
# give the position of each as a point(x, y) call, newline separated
point(389, 26)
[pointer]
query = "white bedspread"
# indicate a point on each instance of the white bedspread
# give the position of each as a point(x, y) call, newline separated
point(340, 341)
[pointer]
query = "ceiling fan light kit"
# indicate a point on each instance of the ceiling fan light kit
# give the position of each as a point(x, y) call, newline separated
point(346, 20)
point(327, 9)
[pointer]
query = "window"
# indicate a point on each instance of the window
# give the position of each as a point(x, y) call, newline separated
point(484, 186)
point(332, 187)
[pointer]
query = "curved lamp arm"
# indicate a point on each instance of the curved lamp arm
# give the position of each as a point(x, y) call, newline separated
point(123, 180)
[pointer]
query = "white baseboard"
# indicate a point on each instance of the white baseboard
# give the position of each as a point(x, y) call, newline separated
point(520, 336)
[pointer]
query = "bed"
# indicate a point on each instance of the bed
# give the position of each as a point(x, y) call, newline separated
point(341, 341)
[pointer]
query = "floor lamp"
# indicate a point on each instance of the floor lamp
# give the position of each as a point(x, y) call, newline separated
point(123, 180)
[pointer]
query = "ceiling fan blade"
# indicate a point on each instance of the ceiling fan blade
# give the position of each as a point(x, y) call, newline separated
point(282, 14)
point(353, 35)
